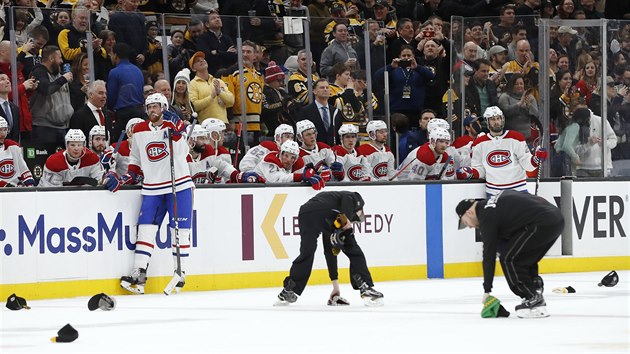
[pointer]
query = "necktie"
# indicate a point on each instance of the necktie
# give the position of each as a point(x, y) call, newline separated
point(101, 116)
point(7, 112)
point(325, 117)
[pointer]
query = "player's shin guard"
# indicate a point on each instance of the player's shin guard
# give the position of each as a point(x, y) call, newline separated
point(184, 249)
point(144, 245)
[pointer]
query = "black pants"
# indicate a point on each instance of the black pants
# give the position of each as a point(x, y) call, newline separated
point(123, 116)
point(520, 256)
point(311, 225)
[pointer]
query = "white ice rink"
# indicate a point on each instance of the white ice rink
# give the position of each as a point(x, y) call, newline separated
point(426, 316)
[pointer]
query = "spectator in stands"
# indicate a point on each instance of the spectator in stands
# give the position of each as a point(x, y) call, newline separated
point(178, 104)
point(591, 152)
point(50, 104)
point(524, 64)
point(340, 50)
point(153, 56)
point(29, 54)
point(360, 90)
point(481, 93)
point(518, 104)
point(497, 55)
point(8, 110)
point(563, 62)
point(25, 19)
point(470, 55)
point(93, 112)
point(295, 42)
point(274, 98)
point(210, 96)
point(567, 44)
point(342, 94)
point(147, 90)
point(589, 81)
point(502, 30)
point(324, 116)
point(553, 65)
point(547, 10)
point(298, 82)
point(320, 17)
point(193, 35)
point(525, 15)
point(218, 47)
point(128, 24)
point(406, 36)
point(124, 88)
point(435, 57)
point(407, 84)
point(79, 85)
point(73, 40)
point(102, 66)
point(477, 37)
point(517, 33)
point(382, 9)
point(565, 9)
point(177, 55)
point(409, 139)
point(60, 19)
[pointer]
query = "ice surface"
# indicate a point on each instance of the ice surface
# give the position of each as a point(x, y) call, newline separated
point(425, 316)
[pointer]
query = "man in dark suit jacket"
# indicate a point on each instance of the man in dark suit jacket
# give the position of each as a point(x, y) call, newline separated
point(315, 113)
point(89, 114)
point(12, 117)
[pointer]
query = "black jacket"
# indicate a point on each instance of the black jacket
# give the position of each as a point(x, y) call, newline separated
point(84, 119)
point(472, 96)
point(332, 203)
point(14, 133)
point(311, 113)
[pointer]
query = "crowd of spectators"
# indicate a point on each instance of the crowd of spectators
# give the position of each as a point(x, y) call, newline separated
point(410, 40)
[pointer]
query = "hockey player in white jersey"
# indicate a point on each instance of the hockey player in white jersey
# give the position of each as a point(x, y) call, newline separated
point(286, 166)
point(463, 144)
point(313, 152)
point(501, 157)
point(254, 155)
point(151, 151)
point(97, 140)
point(76, 165)
point(378, 155)
point(216, 130)
point(13, 169)
point(351, 166)
point(206, 168)
point(117, 157)
point(431, 161)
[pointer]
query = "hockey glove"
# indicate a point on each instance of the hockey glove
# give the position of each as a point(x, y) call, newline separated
point(309, 176)
point(540, 155)
point(465, 173)
point(28, 182)
point(337, 171)
point(250, 177)
point(172, 121)
point(324, 173)
point(107, 159)
point(113, 183)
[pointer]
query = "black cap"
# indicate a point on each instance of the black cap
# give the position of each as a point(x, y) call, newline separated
point(102, 301)
point(381, 3)
point(151, 24)
point(15, 303)
point(66, 334)
point(462, 207)
point(611, 279)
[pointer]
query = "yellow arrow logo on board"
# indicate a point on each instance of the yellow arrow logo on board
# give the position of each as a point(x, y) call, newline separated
point(268, 226)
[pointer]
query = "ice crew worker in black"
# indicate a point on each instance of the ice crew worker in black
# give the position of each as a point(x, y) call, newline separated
point(521, 228)
point(318, 216)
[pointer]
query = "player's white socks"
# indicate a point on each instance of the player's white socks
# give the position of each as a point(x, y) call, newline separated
point(145, 243)
point(184, 247)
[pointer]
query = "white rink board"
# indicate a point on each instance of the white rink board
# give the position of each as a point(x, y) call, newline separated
point(392, 235)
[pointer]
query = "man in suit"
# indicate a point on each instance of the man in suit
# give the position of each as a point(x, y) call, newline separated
point(8, 110)
point(327, 119)
point(93, 111)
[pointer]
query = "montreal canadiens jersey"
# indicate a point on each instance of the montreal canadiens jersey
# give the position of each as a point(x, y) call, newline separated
point(200, 166)
point(121, 158)
point(13, 168)
point(150, 154)
point(320, 155)
point(355, 167)
point(463, 146)
point(502, 161)
point(381, 161)
point(425, 166)
point(256, 154)
point(221, 153)
point(58, 171)
point(272, 170)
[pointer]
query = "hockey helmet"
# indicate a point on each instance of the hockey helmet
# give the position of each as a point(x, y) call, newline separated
point(75, 135)
point(213, 125)
point(198, 131)
point(282, 129)
point(439, 134)
point(437, 123)
point(303, 126)
point(492, 111)
point(291, 147)
point(375, 125)
point(131, 123)
point(97, 130)
point(157, 98)
point(347, 129)
point(3, 123)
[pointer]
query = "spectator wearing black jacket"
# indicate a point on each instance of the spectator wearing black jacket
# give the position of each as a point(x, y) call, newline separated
point(129, 27)
point(481, 92)
point(219, 48)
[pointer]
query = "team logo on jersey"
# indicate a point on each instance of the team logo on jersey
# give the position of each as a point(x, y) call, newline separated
point(380, 170)
point(499, 158)
point(7, 169)
point(156, 151)
point(254, 92)
point(200, 177)
point(450, 170)
point(355, 172)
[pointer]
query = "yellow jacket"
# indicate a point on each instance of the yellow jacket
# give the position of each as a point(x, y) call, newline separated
point(207, 106)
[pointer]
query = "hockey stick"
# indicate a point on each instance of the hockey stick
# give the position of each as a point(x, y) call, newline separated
point(444, 167)
point(178, 272)
point(402, 169)
point(539, 172)
point(238, 143)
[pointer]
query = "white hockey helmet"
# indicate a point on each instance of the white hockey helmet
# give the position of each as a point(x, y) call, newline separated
point(213, 125)
point(131, 123)
point(348, 129)
point(439, 134)
point(75, 135)
point(375, 125)
point(3, 123)
point(97, 130)
point(303, 126)
point(437, 123)
point(282, 129)
point(492, 111)
point(157, 98)
point(291, 147)
point(198, 131)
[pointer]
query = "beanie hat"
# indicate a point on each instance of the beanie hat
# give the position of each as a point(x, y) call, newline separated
point(182, 75)
point(273, 72)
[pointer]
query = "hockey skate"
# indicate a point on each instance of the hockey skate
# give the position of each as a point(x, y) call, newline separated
point(534, 307)
point(287, 295)
point(135, 282)
point(336, 300)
